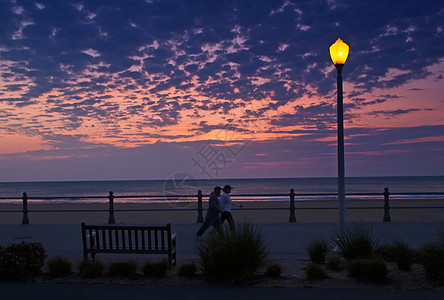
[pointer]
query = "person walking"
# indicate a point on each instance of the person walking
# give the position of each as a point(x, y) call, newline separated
point(225, 204)
point(213, 213)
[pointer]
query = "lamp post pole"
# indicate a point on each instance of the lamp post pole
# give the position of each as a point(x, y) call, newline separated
point(341, 162)
point(339, 53)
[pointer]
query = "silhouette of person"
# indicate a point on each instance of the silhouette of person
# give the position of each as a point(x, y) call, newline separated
point(225, 205)
point(213, 213)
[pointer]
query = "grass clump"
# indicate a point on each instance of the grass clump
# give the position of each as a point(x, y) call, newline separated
point(315, 272)
point(22, 260)
point(158, 269)
point(386, 252)
point(317, 251)
point(432, 258)
point(188, 270)
point(274, 271)
point(333, 261)
point(368, 270)
point(59, 267)
point(90, 269)
point(123, 269)
point(403, 255)
point(356, 241)
point(233, 256)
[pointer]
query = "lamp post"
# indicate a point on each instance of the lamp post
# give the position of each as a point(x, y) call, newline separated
point(339, 53)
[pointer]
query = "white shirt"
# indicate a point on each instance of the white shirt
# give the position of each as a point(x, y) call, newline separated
point(225, 202)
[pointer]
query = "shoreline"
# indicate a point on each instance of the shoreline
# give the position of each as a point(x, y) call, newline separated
point(311, 211)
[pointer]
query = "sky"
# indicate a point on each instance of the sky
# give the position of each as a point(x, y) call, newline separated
point(148, 89)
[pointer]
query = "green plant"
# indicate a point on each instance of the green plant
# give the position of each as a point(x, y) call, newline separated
point(233, 256)
point(356, 241)
point(274, 271)
point(187, 270)
point(441, 237)
point(368, 270)
point(416, 254)
point(403, 255)
point(19, 261)
point(314, 272)
point(59, 267)
point(123, 269)
point(386, 252)
point(432, 258)
point(158, 269)
point(317, 251)
point(89, 269)
point(333, 261)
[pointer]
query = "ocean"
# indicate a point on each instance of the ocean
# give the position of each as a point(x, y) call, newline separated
point(187, 187)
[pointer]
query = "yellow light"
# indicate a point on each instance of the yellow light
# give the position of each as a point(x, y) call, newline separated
point(339, 52)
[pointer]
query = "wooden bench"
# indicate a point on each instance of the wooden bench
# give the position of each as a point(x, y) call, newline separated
point(129, 240)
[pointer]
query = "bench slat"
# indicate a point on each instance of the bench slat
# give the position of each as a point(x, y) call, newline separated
point(110, 239)
point(136, 238)
point(143, 240)
point(149, 240)
point(156, 236)
point(116, 233)
point(130, 240)
point(103, 239)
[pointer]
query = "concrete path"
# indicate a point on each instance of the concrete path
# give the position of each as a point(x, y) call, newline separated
point(286, 240)
point(19, 291)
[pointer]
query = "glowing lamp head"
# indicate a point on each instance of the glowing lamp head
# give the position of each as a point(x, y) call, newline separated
point(339, 52)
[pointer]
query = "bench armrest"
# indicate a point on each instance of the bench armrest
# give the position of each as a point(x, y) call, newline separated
point(173, 236)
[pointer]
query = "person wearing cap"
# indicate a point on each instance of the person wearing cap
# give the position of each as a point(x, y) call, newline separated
point(213, 213)
point(225, 205)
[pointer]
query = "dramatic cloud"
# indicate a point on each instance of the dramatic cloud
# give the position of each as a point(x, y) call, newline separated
point(84, 78)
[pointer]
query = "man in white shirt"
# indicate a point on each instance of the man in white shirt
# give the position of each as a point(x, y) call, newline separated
point(225, 206)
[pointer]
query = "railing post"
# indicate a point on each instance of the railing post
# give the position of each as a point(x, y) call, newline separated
point(292, 207)
point(25, 219)
point(386, 205)
point(199, 207)
point(111, 219)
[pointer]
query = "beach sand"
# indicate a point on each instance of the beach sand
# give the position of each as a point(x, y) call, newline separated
point(311, 211)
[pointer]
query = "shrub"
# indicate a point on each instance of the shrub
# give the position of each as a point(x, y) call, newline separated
point(403, 255)
point(317, 251)
point(274, 271)
point(19, 261)
point(187, 270)
point(158, 270)
point(441, 237)
point(386, 252)
point(333, 261)
point(59, 267)
point(233, 255)
point(432, 258)
point(314, 272)
point(416, 254)
point(89, 269)
point(368, 270)
point(123, 269)
point(356, 241)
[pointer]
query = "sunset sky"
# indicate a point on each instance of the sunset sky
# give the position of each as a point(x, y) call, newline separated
point(134, 89)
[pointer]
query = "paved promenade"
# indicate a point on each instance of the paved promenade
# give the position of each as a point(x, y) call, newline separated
point(288, 242)
point(18, 291)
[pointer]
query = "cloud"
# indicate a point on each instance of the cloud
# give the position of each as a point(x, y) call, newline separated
point(139, 71)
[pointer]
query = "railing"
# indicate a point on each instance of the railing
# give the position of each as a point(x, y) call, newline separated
point(292, 208)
